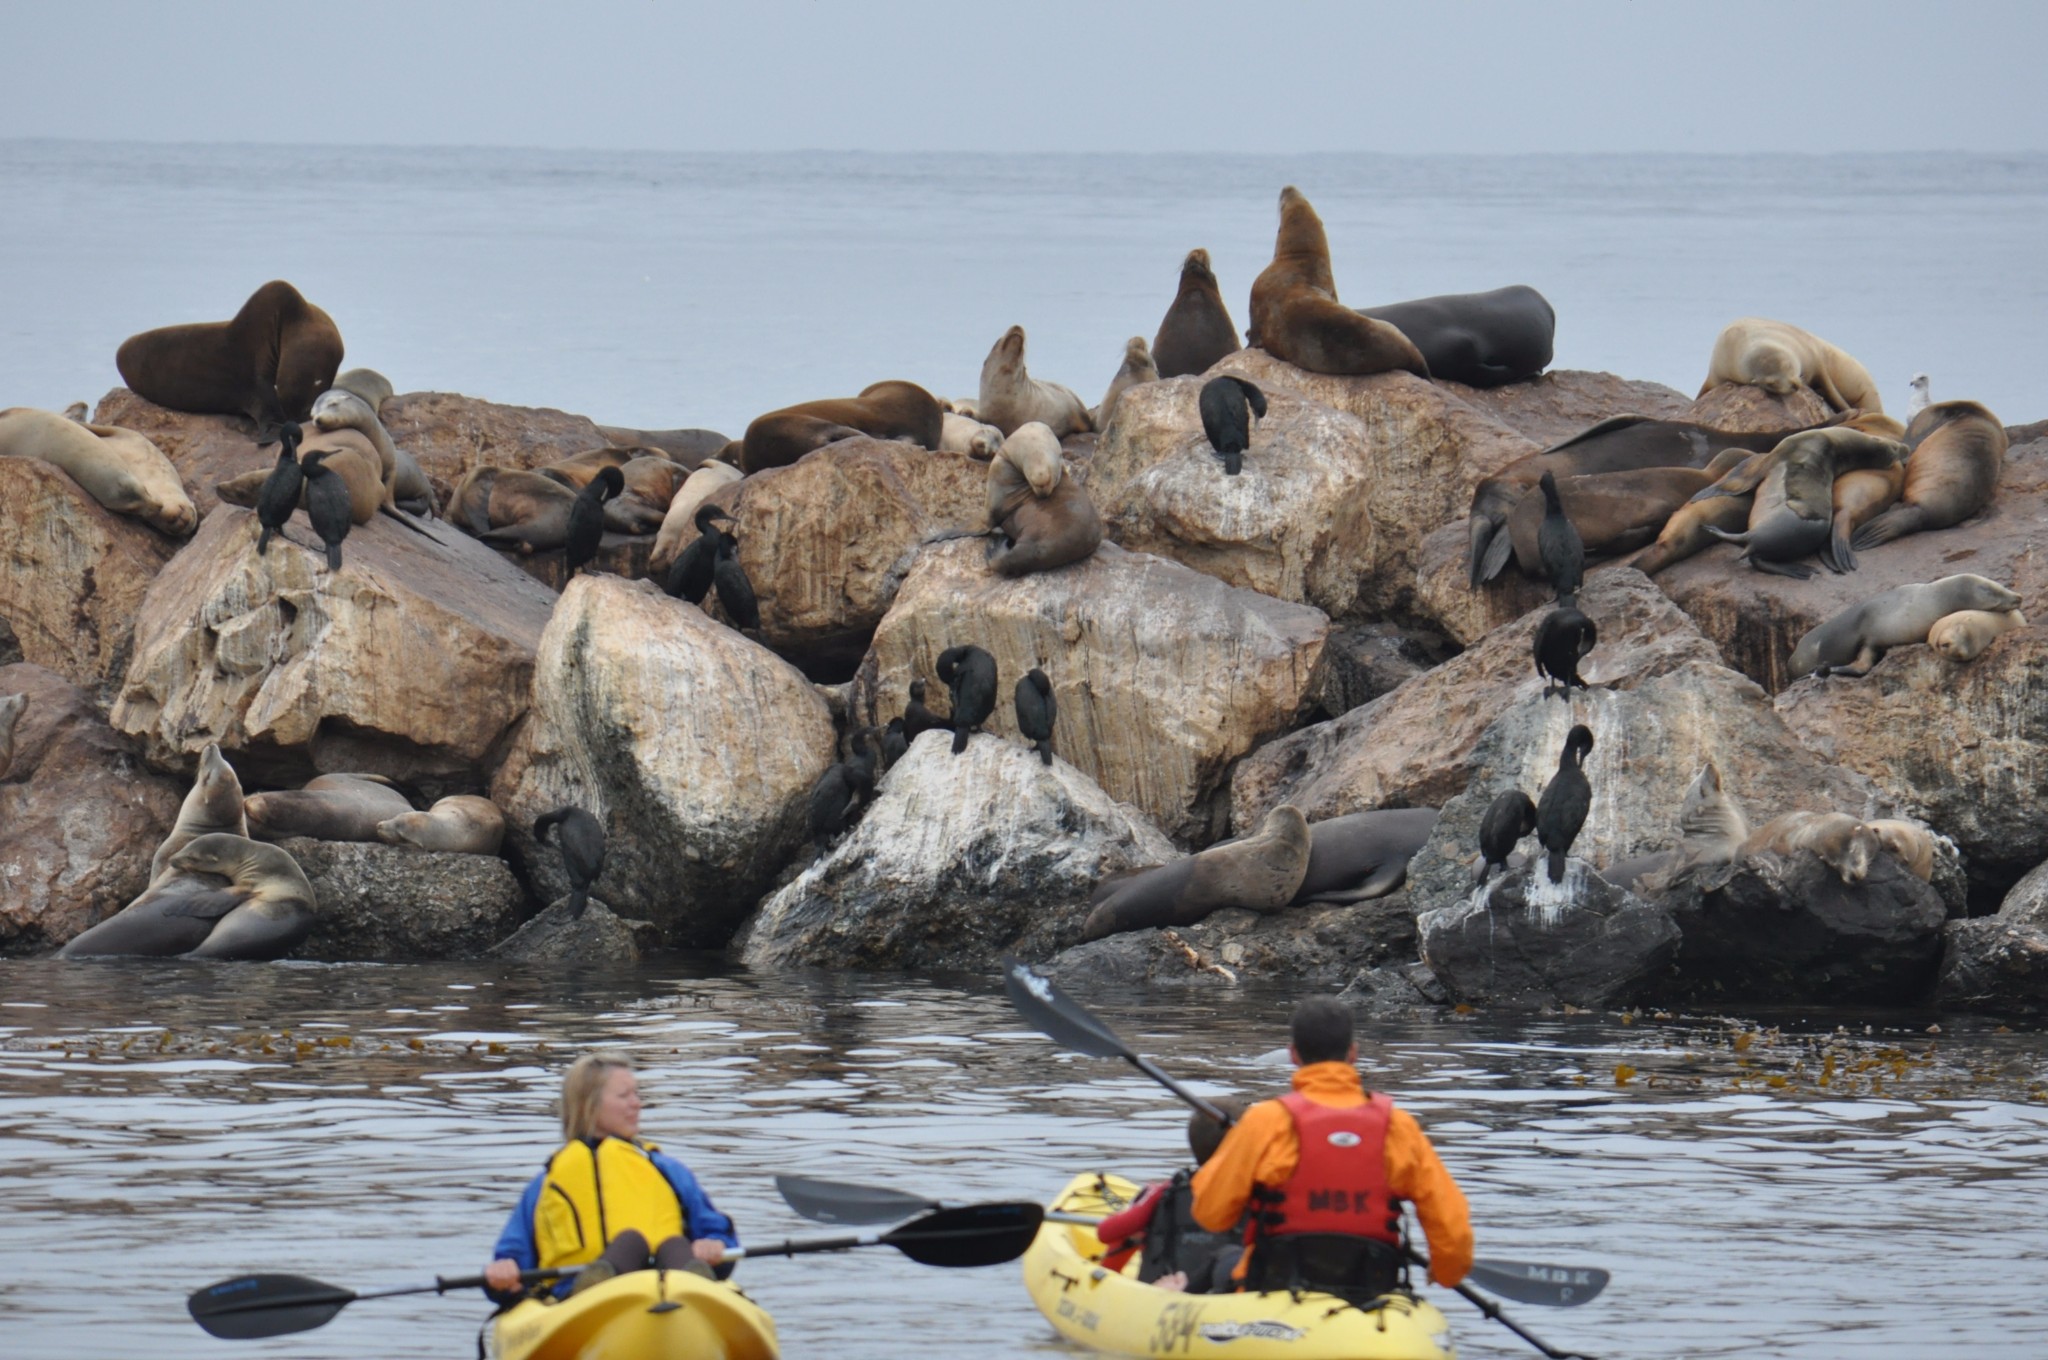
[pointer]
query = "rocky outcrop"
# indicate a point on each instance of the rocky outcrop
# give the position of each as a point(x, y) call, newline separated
point(695, 747)
point(413, 661)
point(387, 902)
point(450, 434)
point(2026, 904)
point(1748, 409)
point(959, 860)
point(1525, 941)
point(1163, 675)
point(72, 573)
point(1994, 964)
point(1318, 947)
point(1446, 600)
point(1362, 661)
point(80, 815)
point(1415, 747)
point(1552, 407)
point(597, 936)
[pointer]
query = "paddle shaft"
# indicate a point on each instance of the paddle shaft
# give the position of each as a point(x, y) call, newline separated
point(443, 1283)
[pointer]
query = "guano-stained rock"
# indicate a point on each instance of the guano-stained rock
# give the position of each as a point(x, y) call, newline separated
point(388, 902)
point(1525, 941)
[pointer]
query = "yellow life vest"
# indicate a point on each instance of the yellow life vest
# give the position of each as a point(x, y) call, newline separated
point(594, 1193)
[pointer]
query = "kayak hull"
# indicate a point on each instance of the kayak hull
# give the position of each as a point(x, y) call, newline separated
point(1118, 1314)
point(630, 1317)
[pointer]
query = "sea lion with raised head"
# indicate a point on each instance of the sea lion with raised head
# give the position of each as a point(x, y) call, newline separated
point(709, 478)
point(405, 481)
point(268, 363)
point(1780, 358)
point(883, 410)
point(1196, 331)
point(1011, 397)
point(331, 807)
point(1711, 828)
point(1843, 843)
point(1963, 635)
point(1295, 314)
point(1136, 368)
point(1958, 451)
point(1856, 639)
point(213, 804)
point(460, 824)
point(120, 469)
point(1261, 872)
point(1479, 339)
point(1361, 855)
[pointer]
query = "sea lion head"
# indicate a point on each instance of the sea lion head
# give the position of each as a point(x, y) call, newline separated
point(1984, 593)
point(1772, 366)
point(1196, 265)
point(1137, 352)
point(163, 502)
point(1034, 450)
point(217, 852)
point(1912, 843)
point(1852, 859)
point(1963, 635)
point(338, 408)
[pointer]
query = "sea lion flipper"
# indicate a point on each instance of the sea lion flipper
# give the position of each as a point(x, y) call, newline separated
point(204, 906)
point(1498, 551)
point(1746, 477)
point(1798, 571)
point(1607, 426)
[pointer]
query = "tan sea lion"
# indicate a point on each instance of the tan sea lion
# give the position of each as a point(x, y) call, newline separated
point(346, 453)
point(1911, 842)
point(1843, 843)
point(883, 410)
point(331, 807)
point(1136, 368)
point(367, 383)
point(1614, 512)
point(1196, 331)
point(1261, 872)
point(1777, 357)
point(964, 434)
point(1792, 514)
point(461, 824)
point(405, 482)
point(579, 469)
point(1859, 497)
point(1958, 451)
point(1028, 464)
point(1856, 639)
point(275, 907)
point(1963, 636)
point(268, 363)
point(214, 804)
point(1688, 531)
point(1711, 829)
point(521, 508)
point(1295, 314)
point(1010, 396)
point(120, 469)
point(676, 527)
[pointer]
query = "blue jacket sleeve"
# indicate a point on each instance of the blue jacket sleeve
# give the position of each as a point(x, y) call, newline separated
point(516, 1242)
point(700, 1217)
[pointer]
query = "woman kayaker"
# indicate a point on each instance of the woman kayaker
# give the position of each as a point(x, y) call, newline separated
point(606, 1201)
point(1180, 1253)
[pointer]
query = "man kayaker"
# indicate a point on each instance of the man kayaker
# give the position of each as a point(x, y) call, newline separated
point(1323, 1172)
point(606, 1201)
point(1180, 1254)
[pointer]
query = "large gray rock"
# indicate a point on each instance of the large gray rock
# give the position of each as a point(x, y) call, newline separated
point(1365, 660)
point(960, 860)
point(1525, 941)
point(1318, 947)
point(2027, 903)
point(391, 902)
point(1994, 964)
point(597, 936)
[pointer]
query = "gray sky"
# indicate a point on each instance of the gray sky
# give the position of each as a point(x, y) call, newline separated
point(1190, 75)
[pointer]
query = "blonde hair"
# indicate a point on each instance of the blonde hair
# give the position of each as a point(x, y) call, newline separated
point(583, 1087)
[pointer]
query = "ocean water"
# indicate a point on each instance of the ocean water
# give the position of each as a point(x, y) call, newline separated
point(661, 290)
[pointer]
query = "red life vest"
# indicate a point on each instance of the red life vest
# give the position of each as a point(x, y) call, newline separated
point(1340, 1183)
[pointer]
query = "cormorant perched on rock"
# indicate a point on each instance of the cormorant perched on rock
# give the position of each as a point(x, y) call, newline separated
point(689, 576)
point(895, 742)
point(586, 517)
point(328, 506)
point(1562, 640)
point(1566, 800)
point(581, 838)
point(970, 673)
point(1509, 817)
point(917, 719)
point(1036, 711)
point(1559, 545)
point(834, 793)
point(1227, 405)
point(280, 493)
point(735, 591)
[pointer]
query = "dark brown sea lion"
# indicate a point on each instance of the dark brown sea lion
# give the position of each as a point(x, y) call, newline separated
point(502, 504)
point(1958, 450)
point(1043, 532)
point(268, 363)
point(1479, 339)
point(1295, 314)
point(1197, 329)
point(1262, 872)
point(884, 410)
point(1614, 512)
point(651, 484)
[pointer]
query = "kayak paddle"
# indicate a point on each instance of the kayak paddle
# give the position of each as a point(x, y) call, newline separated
point(254, 1306)
point(1530, 1282)
point(1067, 1022)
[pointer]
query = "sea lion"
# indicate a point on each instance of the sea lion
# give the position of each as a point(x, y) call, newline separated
point(1037, 710)
point(1613, 512)
point(1509, 817)
point(1843, 843)
point(1963, 635)
point(1567, 798)
point(405, 481)
point(331, 807)
point(970, 673)
point(690, 447)
point(580, 837)
point(1792, 514)
point(1295, 314)
point(213, 804)
point(1136, 368)
point(461, 824)
point(1029, 463)
point(120, 469)
point(963, 434)
point(1011, 397)
point(1362, 855)
point(650, 483)
point(276, 907)
point(1227, 405)
point(367, 383)
point(501, 505)
point(1479, 339)
point(1856, 639)
point(1562, 640)
point(1711, 829)
point(348, 454)
point(1859, 497)
point(576, 470)
point(883, 410)
point(1958, 450)
point(1911, 843)
point(1779, 358)
point(173, 915)
point(1196, 331)
point(268, 363)
point(1262, 872)
point(1689, 531)
point(698, 487)
point(1034, 529)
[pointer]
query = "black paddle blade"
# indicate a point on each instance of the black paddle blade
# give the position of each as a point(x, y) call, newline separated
point(1052, 1013)
point(266, 1305)
point(838, 1202)
point(1546, 1286)
point(972, 1235)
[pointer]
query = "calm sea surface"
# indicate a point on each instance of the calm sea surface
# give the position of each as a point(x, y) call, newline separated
point(1777, 1192)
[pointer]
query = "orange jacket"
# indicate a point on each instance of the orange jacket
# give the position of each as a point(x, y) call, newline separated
point(1261, 1148)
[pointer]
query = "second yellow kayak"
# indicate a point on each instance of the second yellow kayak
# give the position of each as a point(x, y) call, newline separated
point(644, 1315)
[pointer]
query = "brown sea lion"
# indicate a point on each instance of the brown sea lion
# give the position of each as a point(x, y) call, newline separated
point(1686, 533)
point(1843, 843)
point(1028, 464)
point(1010, 396)
point(688, 447)
point(1856, 639)
point(461, 824)
point(1859, 497)
point(1793, 510)
point(214, 804)
point(1614, 512)
point(1963, 635)
point(173, 915)
point(1136, 368)
point(883, 410)
point(275, 906)
point(578, 469)
point(521, 508)
point(651, 485)
point(1295, 314)
point(121, 469)
point(268, 363)
point(677, 528)
point(1261, 872)
point(1040, 533)
point(405, 482)
point(1197, 330)
point(1777, 357)
point(1958, 450)
point(331, 807)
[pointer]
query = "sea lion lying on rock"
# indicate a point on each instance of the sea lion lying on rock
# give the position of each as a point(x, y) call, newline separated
point(677, 524)
point(331, 807)
point(1363, 855)
point(1963, 635)
point(1261, 872)
point(461, 824)
point(883, 410)
point(1614, 512)
point(268, 363)
point(1711, 830)
point(963, 434)
point(1856, 639)
point(120, 469)
point(1136, 368)
point(1039, 516)
point(405, 482)
point(1793, 512)
point(1958, 451)
point(221, 897)
point(1780, 358)
point(1843, 843)
point(505, 505)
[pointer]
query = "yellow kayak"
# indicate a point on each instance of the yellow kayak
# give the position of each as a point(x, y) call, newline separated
point(1121, 1315)
point(644, 1315)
